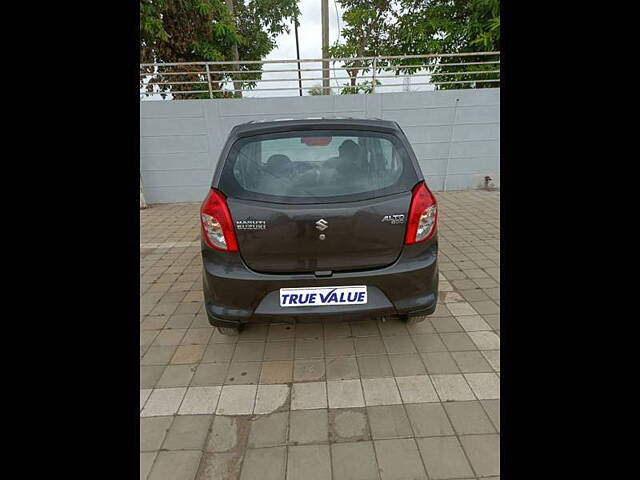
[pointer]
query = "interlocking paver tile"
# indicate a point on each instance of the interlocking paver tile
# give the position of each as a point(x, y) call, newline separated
point(446, 324)
point(364, 328)
point(268, 430)
point(279, 350)
point(154, 322)
point(309, 348)
point(483, 452)
point(200, 401)
point(493, 357)
point(236, 400)
point(158, 355)
point(152, 432)
point(416, 389)
point(146, 461)
point(188, 354)
point(348, 425)
point(457, 342)
point(308, 370)
point(169, 337)
point(248, 352)
point(374, 366)
point(342, 368)
point(485, 307)
point(180, 320)
point(144, 395)
point(369, 346)
point(339, 347)
point(176, 376)
point(392, 326)
point(426, 326)
point(270, 398)
point(388, 421)
point(309, 330)
point(354, 461)
point(399, 459)
point(486, 340)
point(429, 420)
point(345, 393)
point(209, 374)
point(218, 352)
point(493, 320)
point(468, 418)
point(439, 362)
point(280, 332)
point(276, 372)
point(429, 342)
point(264, 464)
point(148, 336)
point(492, 407)
point(253, 332)
point(309, 462)
point(461, 309)
point(399, 344)
point(308, 426)
point(215, 465)
point(471, 362)
point(308, 396)
point(176, 465)
point(444, 458)
point(452, 387)
point(337, 330)
point(224, 434)
point(187, 432)
point(485, 385)
point(380, 391)
point(407, 364)
point(243, 373)
point(163, 401)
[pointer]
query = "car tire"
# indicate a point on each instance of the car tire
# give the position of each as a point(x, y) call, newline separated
point(415, 320)
point(229, 331)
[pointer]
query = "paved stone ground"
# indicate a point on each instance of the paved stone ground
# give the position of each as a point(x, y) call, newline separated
point(362, 400)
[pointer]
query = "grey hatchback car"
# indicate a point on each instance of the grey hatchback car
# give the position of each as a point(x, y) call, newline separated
point(318, 219)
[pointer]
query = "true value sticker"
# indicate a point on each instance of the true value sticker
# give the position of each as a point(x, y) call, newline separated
point(323, 296)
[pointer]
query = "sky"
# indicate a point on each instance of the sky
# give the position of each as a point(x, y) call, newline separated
point(309, 32)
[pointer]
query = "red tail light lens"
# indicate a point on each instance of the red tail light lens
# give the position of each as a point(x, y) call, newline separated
point(423, 215)
point(217, 226)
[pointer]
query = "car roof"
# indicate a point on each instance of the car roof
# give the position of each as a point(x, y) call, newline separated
point(286, 124)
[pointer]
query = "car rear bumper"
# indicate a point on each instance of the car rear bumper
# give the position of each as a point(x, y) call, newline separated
point(235, 294)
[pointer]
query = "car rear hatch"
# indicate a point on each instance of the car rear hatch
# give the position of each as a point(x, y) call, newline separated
point(319, 201)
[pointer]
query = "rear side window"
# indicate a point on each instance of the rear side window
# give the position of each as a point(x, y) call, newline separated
point(317, 166)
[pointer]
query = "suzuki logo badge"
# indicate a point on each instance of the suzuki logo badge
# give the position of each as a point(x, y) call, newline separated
point(322, 224)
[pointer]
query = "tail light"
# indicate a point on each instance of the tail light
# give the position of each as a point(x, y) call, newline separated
point(423, 215)
point(217, 226)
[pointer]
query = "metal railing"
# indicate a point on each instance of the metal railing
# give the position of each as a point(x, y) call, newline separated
point(347, 75)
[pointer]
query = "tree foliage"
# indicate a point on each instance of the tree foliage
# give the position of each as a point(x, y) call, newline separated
point(204, 30)
point(416, 27)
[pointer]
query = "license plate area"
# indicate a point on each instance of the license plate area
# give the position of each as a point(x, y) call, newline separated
point(323, 296)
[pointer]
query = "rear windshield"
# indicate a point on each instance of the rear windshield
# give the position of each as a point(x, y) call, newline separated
point(317, 166)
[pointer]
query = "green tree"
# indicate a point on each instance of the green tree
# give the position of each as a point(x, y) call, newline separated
point(449, 26)
point(416, 27)
point(365, 33)
point(204, 30)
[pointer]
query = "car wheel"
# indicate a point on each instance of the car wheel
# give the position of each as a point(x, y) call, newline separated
point(414, 320)
point(229, 331)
